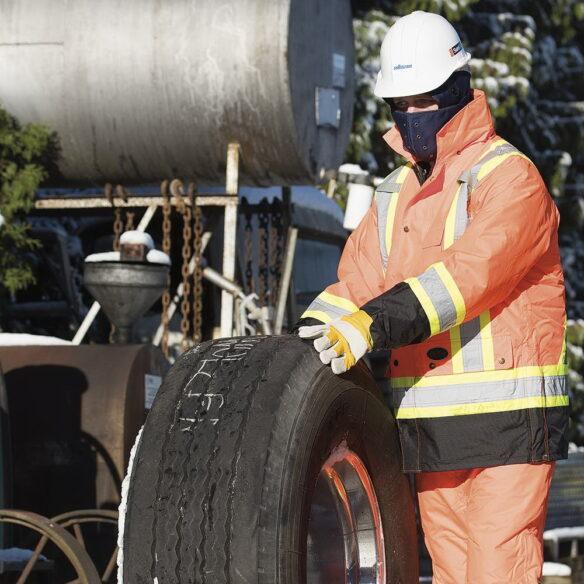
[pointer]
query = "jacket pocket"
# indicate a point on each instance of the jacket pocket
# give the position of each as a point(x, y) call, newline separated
point(433, 237)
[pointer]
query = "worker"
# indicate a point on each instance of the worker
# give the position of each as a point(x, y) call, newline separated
point(456, 268)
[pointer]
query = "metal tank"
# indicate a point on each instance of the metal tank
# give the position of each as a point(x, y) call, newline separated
point(75, 412)
point(144, 90)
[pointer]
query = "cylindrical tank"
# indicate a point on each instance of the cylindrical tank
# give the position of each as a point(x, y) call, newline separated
point(75, 412)
point(143, 90)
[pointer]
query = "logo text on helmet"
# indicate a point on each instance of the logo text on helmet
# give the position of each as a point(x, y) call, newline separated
point(402, 67)
point(455, 49)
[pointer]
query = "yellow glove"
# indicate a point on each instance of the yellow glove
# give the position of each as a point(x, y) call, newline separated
point(342, 341)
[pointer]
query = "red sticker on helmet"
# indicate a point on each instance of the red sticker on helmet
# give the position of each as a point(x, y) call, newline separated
point(455, 49)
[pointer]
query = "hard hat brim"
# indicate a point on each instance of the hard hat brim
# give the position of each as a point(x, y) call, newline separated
point(385, 88)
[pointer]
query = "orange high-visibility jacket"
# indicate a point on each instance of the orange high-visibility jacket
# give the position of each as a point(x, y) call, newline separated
point(476, 247)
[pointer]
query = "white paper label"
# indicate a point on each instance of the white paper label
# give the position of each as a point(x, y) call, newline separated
point(339, 68)
point(151, 385)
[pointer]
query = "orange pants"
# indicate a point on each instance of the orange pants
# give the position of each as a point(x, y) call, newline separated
point(485, 525)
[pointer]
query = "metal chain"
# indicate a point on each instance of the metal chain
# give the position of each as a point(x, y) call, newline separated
point(280, 248)
point(166, 232)
point(271, 266)
point(129, 221)
point(263, 219)
point(108, 192)
point(118, 223)
point(198, 273)
point(248, 253)
point(185, 307)
point(276, 250)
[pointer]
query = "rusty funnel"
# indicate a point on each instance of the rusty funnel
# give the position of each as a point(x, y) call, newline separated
point(125, 291)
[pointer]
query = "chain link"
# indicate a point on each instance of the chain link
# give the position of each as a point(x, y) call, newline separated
point(166, 233)
point(276, 250)
point(263, 273)
point(121, 194)
point(198, 273)
point(176, 189)
point(282, 234)
point(248, 253)
point(129, 221)
point(108, 192)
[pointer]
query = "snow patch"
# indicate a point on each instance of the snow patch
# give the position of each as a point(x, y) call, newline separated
point(352, 169)
point(156, 256)
point(123, 506)
point(339, 453)
point(564, 533)
point(26, 340)
point(555, 569)
point(106, 256)
point(137, 238)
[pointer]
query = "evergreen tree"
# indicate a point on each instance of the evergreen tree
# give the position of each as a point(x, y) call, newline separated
point(25, 153)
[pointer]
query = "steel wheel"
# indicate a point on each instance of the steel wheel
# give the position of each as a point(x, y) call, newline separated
point(345, 535)
point(51, 532)
point(74, 520)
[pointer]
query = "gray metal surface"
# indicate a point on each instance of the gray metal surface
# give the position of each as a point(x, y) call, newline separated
point(125, 291)
point(143, 90)
point(345, 534)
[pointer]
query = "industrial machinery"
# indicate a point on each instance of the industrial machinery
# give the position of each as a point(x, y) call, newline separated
point(163, 87)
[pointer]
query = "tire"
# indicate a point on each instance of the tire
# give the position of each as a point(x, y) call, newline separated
point(226, 484)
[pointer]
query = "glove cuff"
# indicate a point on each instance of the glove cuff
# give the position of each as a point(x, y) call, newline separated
point(362, 322)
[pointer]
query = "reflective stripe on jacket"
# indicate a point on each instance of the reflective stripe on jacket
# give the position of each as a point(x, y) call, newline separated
point(477, 245)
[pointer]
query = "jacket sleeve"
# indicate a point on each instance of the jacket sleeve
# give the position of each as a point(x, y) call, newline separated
point(513, 223)
point(360, 274)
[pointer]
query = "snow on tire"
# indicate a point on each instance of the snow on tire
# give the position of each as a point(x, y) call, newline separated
point(258, 464)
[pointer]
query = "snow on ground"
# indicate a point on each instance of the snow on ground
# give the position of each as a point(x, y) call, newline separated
point(23, 339)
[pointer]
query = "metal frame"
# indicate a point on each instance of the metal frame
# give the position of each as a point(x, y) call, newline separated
point(229, 201)
point(230, 237)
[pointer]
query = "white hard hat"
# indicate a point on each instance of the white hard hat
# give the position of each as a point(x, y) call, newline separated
point(419, 53)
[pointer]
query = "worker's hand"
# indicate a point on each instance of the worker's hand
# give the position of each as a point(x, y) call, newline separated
point(342, 341)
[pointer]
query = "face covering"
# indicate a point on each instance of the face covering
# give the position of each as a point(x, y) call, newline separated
point(418, 130)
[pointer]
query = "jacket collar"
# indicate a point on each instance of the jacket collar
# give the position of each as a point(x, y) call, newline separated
point(473, 123)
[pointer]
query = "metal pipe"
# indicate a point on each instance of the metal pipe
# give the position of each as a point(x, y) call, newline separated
point(286, 275)
point(226, 285)
point(229, 238)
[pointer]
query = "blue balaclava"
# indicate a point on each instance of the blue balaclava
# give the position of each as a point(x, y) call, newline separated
point(418, 130)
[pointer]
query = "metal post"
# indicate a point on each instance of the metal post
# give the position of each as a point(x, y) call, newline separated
point(95, 307)
point(286, 275)
point(229, 237)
